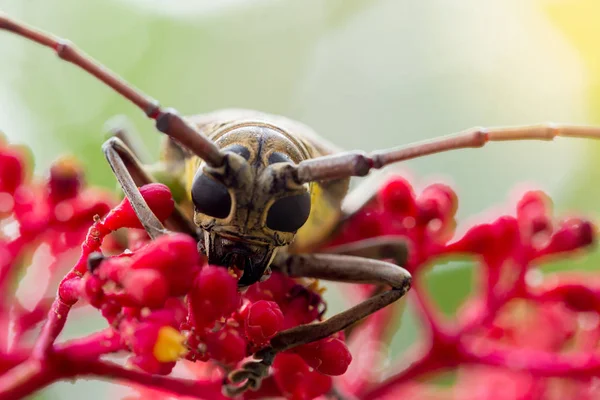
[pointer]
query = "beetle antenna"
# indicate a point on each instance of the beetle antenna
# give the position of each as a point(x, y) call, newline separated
point(344, 165)
point(167, 120)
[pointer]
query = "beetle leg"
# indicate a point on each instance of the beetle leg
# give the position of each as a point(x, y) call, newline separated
point(356, 163)
point(340, 268)
point(131, 174)
point(379, 248)
point(333, 267)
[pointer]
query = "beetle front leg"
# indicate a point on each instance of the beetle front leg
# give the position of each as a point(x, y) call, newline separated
point(379, 248)
point(389, 247)
point(340, 268)
point(332, 267)
point(130, 174)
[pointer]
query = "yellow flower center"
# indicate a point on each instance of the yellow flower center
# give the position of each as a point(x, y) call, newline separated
point(169, 345)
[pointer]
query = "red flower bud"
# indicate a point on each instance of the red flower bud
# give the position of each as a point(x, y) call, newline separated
point(274, 289)
point(264, 319)
point(65, 179)
point(92, 290)
point(397, 197)
point(533, 212)
point(175, 256)
point(11, 170)
point(496, 240)
point(329, 356)
point(159, 199)
point(147, 287)
point(576, 296)
point(226, 346)
point(437, 201)
point(296, 380)
point(213, 296)
point(572, 233)
point(534, 202)
point(477, 239)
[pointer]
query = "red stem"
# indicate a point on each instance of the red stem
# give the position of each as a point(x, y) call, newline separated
point(31, 374)
point(424, 365)
point(182, 387)
point(25, 379)
point(92, 346)
point(26, 320)
point(15, 249)
point(537, 362)
point(57, 317)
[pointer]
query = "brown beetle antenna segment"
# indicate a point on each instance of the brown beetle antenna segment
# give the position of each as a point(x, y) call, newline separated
point(359, 164)
point(167, 120)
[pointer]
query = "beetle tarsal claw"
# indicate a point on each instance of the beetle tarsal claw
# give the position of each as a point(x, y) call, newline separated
point(233, 391)
point(249, 376)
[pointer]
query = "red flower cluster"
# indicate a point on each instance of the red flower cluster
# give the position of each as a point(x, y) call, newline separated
point(54, 213)
point(516, 331)
point(161, 301)
point(165, 306)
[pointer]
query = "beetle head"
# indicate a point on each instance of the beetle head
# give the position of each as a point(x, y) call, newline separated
point(247, 208)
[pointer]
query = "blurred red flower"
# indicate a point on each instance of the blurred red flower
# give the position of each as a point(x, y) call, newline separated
point(521, 334)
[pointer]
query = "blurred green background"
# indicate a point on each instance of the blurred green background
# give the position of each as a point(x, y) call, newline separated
point(365, 74)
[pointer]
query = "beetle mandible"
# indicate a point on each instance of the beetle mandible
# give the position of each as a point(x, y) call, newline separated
point(265, 192)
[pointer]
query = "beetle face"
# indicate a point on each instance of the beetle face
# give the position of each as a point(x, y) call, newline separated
point(251, 258)
point(246, 213)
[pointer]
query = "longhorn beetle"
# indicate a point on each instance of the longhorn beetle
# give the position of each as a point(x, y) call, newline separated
point(265, 191)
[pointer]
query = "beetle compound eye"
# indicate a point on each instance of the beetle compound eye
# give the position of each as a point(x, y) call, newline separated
point(288, 214)
point(239, 150)
point(276, 157)
point(210, 197)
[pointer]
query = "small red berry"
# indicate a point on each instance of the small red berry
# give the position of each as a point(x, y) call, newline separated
point(175, 256)
point(296, 380)
point(572, 233)
point(264, 319)
point(213, 296)
point(397, 196)
point(12, 170)
point(534, 202)
point(576, 296)
point(159, 199)
point(437, 201)
point(66, 178)
point(274, 289)
point(226, 346)
point(149, 288)
point(329, 356)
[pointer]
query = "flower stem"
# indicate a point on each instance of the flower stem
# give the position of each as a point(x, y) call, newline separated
point(57, 317)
